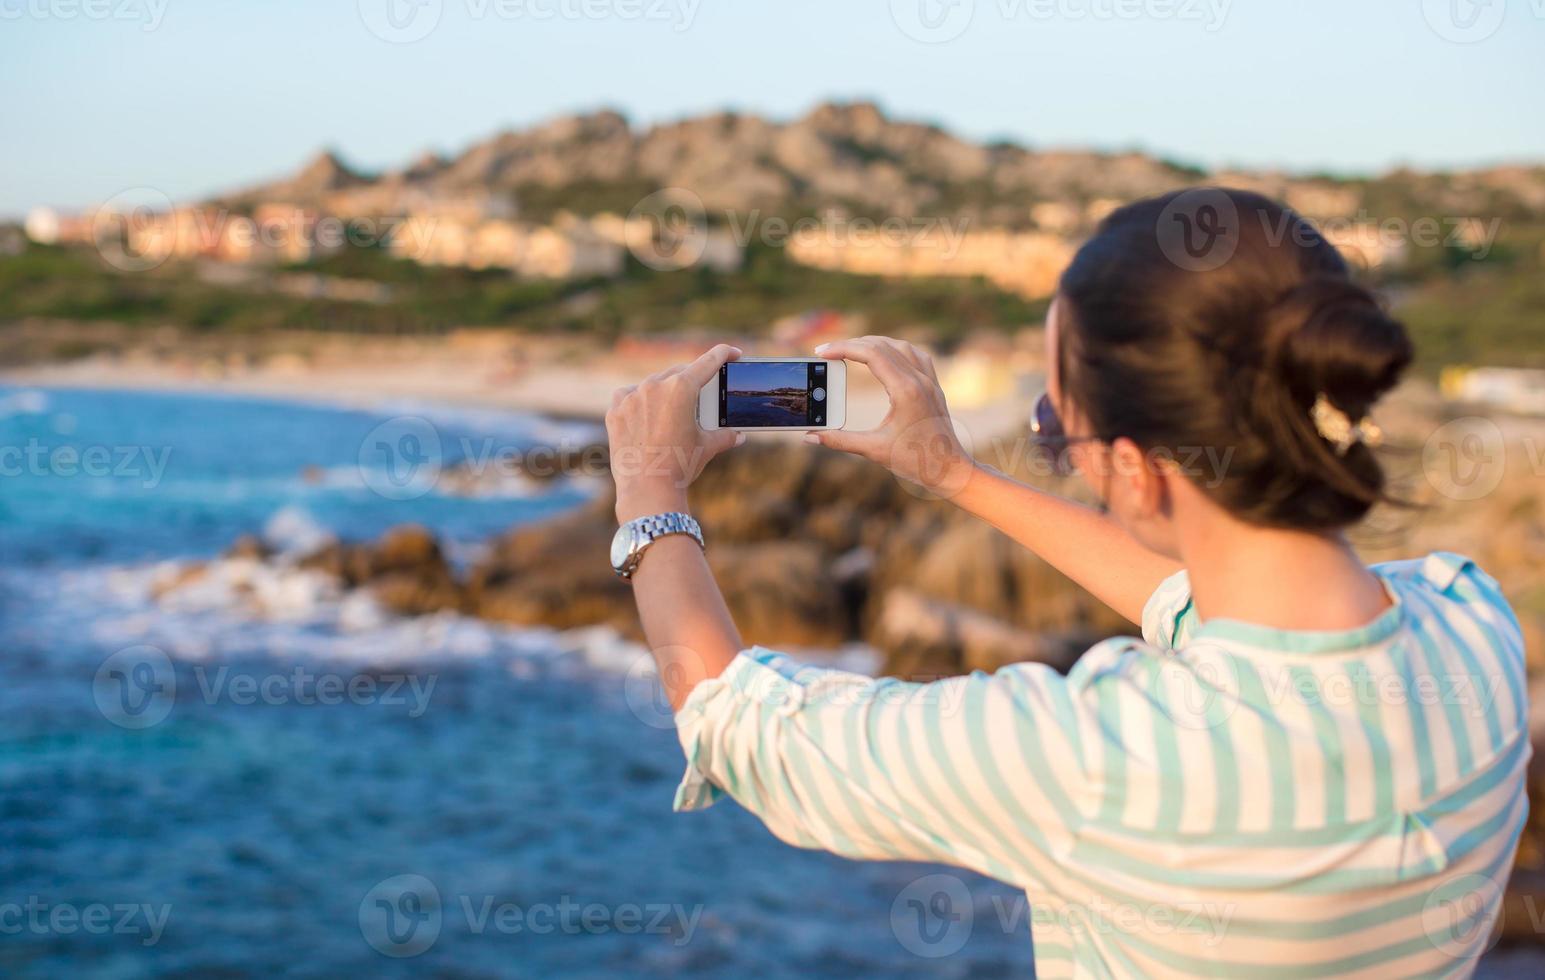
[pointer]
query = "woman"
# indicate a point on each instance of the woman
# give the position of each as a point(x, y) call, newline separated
point(1304, 766)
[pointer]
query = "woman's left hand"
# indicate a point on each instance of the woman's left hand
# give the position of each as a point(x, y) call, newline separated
point(657, 447)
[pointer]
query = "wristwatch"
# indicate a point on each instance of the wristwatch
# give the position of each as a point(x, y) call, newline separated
point(632, 538)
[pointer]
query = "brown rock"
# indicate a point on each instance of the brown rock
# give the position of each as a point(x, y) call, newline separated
point(928, 638)
point(782, 592)
point(407, 546)
point(249, 546)
point(328, 559)
point(557, 573)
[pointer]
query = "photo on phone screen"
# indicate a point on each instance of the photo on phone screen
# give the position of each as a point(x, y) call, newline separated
point(756, 394)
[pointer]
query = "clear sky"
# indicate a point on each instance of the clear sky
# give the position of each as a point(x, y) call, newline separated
point(191, 96)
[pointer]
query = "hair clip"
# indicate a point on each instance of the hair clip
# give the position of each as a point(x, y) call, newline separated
point(1336, 428)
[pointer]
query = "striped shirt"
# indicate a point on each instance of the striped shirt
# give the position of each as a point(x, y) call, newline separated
point(1217, 798)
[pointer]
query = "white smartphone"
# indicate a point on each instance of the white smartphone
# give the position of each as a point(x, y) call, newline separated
point(776, 394)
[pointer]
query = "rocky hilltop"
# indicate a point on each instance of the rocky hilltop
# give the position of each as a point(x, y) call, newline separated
point(839, 154)
point(846, 155)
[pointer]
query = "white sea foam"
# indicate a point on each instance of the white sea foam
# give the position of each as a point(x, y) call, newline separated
point(25, 401)
point(293, 531)
point(230, 608)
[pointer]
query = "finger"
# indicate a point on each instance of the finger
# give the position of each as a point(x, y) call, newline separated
point(621, 393)
point(703, 370)
point(865, 444)
point(888, 367)
point(719, 440)
point(920, 357)
point(908, 353)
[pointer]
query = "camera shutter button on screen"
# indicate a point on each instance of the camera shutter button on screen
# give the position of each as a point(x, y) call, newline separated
point(819, 394)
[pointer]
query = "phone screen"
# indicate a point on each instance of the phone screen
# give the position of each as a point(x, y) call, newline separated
point(762, 394)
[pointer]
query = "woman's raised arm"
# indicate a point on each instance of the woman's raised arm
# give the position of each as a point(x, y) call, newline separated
point(917, 442)
point(657, 449)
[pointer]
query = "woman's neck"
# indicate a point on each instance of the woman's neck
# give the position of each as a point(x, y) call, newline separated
point(1292, 580)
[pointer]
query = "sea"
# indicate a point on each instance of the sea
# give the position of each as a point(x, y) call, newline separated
point(229, 767)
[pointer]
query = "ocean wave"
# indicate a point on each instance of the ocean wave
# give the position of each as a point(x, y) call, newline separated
point(22, 401)
point(243, 608)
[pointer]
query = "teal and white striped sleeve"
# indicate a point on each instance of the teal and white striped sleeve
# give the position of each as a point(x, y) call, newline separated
point(965, 771)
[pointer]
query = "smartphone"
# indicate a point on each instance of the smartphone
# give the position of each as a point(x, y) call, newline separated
point(776, 394)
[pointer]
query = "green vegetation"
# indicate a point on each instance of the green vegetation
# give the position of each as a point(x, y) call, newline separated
point(1477, 304)
point(74, 284)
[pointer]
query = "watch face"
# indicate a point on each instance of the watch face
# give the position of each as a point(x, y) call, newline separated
point(622, 545)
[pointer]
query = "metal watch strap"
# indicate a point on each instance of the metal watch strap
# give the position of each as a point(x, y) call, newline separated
point(656, 526)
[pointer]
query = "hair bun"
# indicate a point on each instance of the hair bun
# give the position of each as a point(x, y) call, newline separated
point(1233, 358)
point(1329, 336)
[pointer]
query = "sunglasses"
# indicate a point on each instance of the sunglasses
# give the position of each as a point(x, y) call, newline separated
point(1050, 438)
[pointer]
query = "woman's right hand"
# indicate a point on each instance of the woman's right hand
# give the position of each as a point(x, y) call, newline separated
point(916, 439)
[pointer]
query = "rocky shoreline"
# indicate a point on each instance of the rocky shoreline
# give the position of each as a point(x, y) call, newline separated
point(817, 549)
point(812, 548)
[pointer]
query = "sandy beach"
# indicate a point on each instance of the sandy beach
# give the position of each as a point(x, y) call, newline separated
point(560, 380)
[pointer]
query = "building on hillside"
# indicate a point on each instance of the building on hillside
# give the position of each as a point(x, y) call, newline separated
point(1025, 263)
point(570, 248)
point(1366, 244)
point(46, 226)
point(694, 247)
point(181, 233)
point(276, 233)
point(1058, 217)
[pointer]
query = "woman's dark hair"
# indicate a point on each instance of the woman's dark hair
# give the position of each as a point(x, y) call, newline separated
point(1214, 319)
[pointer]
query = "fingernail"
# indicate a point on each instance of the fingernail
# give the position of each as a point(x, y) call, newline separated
point(821, 347)
point(740, 437)
point(811, 437)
